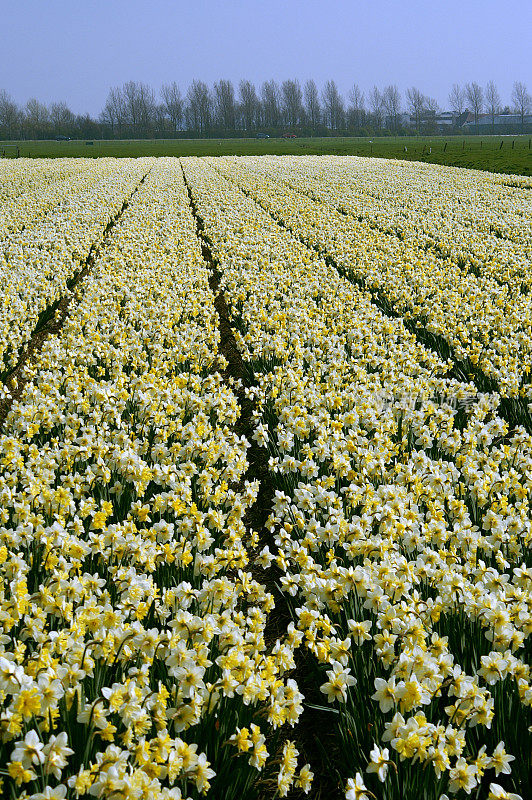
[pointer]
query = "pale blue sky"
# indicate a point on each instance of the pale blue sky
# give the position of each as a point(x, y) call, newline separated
point(74, 50)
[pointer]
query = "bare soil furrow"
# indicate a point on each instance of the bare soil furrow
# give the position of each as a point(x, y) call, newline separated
point(239, 377)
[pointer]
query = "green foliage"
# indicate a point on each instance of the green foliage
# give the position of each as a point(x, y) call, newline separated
point(475, 152)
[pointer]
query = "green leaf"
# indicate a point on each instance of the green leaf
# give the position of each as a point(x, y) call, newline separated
point(322, 708)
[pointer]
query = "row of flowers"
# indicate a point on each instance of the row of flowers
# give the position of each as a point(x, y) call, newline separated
point(133, 657)
point(401, 519)
point(30, 188)
point(487, 324)
point(38, 261)
point(468, 217)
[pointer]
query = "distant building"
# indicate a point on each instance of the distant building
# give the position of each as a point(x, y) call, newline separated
point(501, 123)
point(465, 116)
point(445, 119)
point(438, 121)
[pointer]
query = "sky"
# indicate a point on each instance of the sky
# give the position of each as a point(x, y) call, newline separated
point(75, 50)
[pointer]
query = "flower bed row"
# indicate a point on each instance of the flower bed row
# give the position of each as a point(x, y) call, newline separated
point(38, 263)
point(488, 327)
point(133, 659)
point(401, 519)
point(462, 215)
point(29, 188)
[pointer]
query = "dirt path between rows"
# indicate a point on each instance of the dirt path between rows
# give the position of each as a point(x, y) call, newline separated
point(313, 727)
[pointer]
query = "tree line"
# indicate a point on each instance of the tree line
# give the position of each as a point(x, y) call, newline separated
point(136, 110)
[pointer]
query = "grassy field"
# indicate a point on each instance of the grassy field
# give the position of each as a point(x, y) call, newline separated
point(477, 152)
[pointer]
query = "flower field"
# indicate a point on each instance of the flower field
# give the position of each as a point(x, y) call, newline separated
point(266, 485)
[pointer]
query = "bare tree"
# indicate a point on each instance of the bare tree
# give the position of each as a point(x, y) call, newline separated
point(416, 101)
point(114, 112)
point(131, 98)
point(132, 109)
point(522, 100)
point(199, 107)
point(493, 102)
point(36, 119)
point(87, 127)
point(139, 106)
point(9, 116)
point(249, 104)
point(225, 106)
point(376, 105)
point(356, 109)
point(160, 120)
point(475, 97)
point(391, 100)
point(292, 102)
point(430, 109)
point(173, 104)
point(148, 108)
point(457, 99)
point(333, 106)
point(312, 104)
point(61, 118)
point(271, 104)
